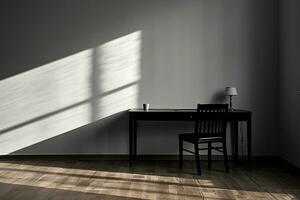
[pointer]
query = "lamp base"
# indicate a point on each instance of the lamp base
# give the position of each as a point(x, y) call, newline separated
point(230, 103)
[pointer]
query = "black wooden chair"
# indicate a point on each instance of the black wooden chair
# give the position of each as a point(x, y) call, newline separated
point(210, 128)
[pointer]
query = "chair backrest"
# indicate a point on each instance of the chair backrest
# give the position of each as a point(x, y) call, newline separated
point(211, 120)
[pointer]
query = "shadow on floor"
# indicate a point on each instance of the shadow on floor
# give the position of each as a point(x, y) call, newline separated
point(13, 191)
point(157, 177)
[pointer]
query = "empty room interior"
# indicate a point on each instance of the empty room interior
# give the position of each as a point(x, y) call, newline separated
point(150, 99)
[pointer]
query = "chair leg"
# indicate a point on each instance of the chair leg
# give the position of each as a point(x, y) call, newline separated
point(180, 153)
point(225, 156)
point(197, 158)
point(209, 155)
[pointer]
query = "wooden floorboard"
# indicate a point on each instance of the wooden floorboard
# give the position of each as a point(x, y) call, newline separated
point(115, 180)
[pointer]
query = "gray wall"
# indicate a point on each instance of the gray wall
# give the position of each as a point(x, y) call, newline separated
point(290, 80)
point(56, 56)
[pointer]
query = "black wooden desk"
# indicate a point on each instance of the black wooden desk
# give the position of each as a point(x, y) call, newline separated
point(185, 115)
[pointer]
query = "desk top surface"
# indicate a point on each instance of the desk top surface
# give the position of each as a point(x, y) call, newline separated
point(168, 110)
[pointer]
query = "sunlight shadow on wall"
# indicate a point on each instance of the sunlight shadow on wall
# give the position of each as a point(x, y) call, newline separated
point(117, 67)
point(69, 93)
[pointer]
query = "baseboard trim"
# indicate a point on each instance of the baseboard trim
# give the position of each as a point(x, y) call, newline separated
point(112, 157)
point(291, 166)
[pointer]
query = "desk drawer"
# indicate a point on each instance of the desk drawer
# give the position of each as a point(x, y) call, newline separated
point(154, 116)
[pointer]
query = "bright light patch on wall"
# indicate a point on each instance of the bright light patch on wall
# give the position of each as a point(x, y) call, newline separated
point(119, 62)
point(118, 101)
point(69, 93)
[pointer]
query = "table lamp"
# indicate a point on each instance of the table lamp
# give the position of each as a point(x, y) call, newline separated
point(230, 91)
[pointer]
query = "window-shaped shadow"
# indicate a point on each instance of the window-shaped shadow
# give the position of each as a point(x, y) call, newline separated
point(69, 93)
point(115, 76)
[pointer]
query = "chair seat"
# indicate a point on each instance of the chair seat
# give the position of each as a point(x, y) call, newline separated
point(191, 137)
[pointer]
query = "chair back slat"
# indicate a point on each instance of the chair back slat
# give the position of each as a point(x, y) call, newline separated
point(214, 125)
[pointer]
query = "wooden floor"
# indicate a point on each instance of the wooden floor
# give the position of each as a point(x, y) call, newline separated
point(147, 180)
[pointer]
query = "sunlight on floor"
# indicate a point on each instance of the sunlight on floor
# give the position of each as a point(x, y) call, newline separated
point(100, 173)
point(69, 93)
point(130, 184)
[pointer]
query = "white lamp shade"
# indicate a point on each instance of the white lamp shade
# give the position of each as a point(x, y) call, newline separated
point(231, 91)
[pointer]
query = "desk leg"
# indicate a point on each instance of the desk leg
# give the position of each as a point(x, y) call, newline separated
point(235, 139)
point(130, 140)
point(249, 140)
point(134, 139)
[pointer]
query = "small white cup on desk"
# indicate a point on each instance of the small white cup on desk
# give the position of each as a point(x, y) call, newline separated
point(146, 106)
